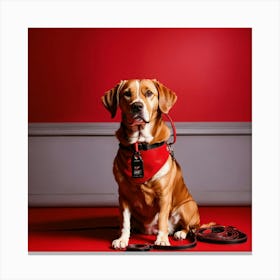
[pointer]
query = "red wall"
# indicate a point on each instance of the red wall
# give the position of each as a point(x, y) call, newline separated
point(70, 69)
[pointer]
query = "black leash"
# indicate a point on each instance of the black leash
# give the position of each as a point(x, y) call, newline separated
point(147, 247)
point(215, 234)
point(221, 235)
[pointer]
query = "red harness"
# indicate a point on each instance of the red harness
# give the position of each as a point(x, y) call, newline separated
point(143, 161)
point(153, 157)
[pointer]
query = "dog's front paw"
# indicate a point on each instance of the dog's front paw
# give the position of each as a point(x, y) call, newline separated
point(181, 234)
point(120, 243)
point(162, 240)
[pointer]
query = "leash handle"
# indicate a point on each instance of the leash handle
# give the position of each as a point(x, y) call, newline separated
point(139, 247)
point(147, 247)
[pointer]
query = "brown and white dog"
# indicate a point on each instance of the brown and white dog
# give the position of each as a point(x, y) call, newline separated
point(161, 203)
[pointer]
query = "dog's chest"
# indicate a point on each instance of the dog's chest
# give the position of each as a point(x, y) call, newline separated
point(145, 211)
point(146, 197)
point(152, 161)
point(146, 218)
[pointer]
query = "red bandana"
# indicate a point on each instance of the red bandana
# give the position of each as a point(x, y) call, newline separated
point(153, 160)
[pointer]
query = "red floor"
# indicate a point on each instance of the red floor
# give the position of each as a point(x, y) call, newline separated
point(80, 229)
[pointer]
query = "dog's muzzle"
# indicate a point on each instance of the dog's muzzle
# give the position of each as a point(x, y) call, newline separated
point(137, 107)
point(137, 113)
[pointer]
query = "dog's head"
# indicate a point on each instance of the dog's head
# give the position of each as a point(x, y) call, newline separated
point(140, 101)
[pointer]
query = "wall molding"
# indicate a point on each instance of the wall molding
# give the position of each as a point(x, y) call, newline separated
point(108, 129)
point(75, 168)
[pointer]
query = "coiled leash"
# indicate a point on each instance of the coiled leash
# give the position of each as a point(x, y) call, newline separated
point(215, 234)
point(221, 234)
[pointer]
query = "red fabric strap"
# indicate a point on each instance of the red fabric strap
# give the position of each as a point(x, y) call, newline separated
point(173, 129)
point(153, 160)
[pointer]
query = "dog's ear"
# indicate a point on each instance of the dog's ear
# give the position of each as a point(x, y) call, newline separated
point(111, 98)
point(166, 97)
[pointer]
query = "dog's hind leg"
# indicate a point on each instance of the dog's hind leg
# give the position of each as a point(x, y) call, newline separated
point(190, 219)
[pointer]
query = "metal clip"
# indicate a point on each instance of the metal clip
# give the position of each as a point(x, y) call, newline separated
point(171, 151)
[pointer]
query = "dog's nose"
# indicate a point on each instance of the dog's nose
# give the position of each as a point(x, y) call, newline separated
point(136, 107)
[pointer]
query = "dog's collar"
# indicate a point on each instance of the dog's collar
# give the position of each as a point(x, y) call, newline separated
point(141, 146)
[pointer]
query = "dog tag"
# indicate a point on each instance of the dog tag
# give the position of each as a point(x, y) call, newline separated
point(137, 166)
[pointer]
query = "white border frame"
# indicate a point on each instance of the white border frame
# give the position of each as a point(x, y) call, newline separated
point(17, 16)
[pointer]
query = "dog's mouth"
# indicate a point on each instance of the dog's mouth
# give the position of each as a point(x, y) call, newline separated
point(137, 119)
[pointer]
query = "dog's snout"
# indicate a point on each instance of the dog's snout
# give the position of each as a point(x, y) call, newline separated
point(136, 107)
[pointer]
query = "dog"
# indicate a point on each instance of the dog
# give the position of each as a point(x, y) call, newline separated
point(153, 197)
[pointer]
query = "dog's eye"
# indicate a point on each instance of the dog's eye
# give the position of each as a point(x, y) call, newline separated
point(149, 93)
point(127, 93)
